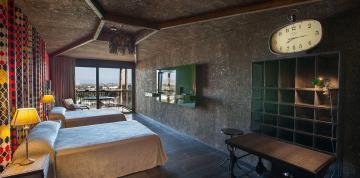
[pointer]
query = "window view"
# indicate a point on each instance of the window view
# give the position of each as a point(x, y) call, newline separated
point(114, 88)
point(85, 85)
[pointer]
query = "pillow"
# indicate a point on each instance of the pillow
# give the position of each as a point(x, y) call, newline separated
point(69, 103)
point(57, 113)
point(41, 140)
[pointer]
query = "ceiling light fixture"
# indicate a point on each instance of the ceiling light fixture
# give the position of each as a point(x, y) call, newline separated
point(114, 29)
point(121, 41)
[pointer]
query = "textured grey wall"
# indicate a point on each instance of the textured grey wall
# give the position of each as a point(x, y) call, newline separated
point(343, 35)
point(224, 50)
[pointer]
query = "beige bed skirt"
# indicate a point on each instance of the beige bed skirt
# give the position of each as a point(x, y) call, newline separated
point(111, 161)
point(107, 150)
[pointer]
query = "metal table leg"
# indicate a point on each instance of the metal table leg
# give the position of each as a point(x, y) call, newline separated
point(232, 162)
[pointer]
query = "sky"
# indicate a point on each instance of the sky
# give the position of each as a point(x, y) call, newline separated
point(88, 75)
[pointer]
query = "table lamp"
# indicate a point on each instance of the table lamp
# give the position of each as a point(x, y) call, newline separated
point(25, 117)
point(47, 100)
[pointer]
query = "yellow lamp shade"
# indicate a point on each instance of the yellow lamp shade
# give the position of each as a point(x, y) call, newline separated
point(48, 99)
point(4, 131)
point(25, 116)
point(3, 76)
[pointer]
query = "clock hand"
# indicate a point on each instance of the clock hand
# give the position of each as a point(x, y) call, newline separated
point(293, 38)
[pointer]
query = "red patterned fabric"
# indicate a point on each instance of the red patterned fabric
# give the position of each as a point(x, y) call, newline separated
point(11, 56)
point(12, 32)
point(4, 97)
point(22, 74)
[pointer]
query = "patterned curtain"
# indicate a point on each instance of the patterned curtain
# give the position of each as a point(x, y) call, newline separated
point(22, 74)
point(5, 152)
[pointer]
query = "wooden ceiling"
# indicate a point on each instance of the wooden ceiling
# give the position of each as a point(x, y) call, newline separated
point(80, 28)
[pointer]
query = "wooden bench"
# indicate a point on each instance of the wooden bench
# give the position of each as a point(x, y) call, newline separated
point(299, 161)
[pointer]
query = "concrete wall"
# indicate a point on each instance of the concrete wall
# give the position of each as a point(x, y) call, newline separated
point(343, 35)
point(224, 51)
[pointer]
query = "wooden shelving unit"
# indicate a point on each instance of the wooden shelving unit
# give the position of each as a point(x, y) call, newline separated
point(286, 105)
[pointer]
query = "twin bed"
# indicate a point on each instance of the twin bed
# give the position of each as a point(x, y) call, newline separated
point(105, 150)
point(85, 117)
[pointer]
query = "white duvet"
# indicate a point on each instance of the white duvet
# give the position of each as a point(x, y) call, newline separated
point(104, 150)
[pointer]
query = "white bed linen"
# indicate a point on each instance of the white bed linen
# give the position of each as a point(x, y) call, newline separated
point(107, 150)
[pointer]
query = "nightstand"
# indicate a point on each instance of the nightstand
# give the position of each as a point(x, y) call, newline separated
point(39, 169)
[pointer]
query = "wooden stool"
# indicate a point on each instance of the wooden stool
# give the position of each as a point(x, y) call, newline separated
point(233, 159)
point(231, 132)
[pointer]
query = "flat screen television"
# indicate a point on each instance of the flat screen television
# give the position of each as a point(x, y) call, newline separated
point(177, 85)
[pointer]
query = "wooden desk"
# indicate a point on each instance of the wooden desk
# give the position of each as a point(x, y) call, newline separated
point(283, 155)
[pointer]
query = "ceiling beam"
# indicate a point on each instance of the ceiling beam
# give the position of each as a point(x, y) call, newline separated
point(141, 37)
point(233, 11)
point(101, 13)
point(80, 42)
point(131, 21)
point(98, 29)
point(96, 7)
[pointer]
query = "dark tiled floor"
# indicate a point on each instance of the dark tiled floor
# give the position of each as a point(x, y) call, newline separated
point(187, 158)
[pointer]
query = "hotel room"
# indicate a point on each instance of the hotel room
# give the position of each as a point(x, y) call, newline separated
point(179, 89)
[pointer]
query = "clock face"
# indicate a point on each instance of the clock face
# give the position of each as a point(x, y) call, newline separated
point(296, 37)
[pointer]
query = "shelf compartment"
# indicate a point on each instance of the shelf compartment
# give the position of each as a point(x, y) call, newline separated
point(325, 129)
point(286, 110)
point(325, 144)
point(256, 120)
point(325, 115)
point(286, 122)
point(324, 100)
point(287, 96)
point(268, 130)
point(271, 73)
point(305, 97)
point(304, 126)
point(258, 93)
point(271, 95)
point(328, 67)
point(286, 135)
point(304, 139)
point(305, 72)
point(257, 105)
point(303, 112)
point(287, 73)
point(286, 105)
point(271, 108)
point(270, 119)
point(258, 74)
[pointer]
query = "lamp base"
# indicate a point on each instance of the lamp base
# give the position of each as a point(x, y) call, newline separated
point(26, 162)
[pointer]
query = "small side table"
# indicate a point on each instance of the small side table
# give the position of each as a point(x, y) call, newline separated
point(38, 169)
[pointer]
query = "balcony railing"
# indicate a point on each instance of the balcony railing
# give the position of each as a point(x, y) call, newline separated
point(107, 98)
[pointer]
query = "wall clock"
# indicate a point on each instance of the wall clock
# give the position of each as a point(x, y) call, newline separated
point(296, 37)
